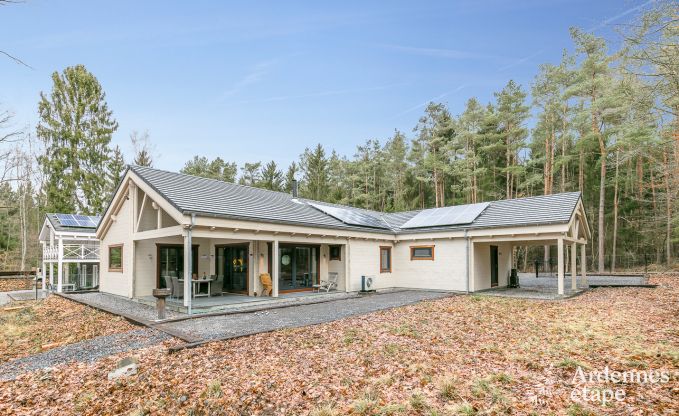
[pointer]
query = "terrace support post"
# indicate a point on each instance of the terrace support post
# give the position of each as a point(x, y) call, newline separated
point(44, 272)
point(583, 264)
point(574, 266)
point(275, 266)
point(60, 266)
point(187, 270)
point(51, 275)
point(347, 270)
point(560, 264)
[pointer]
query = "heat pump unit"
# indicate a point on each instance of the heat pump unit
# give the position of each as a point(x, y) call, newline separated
point(368, 283)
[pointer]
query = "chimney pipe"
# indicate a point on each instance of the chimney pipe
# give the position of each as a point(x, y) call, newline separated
point(294, 188)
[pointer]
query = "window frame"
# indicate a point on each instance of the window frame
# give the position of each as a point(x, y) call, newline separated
point(339, 252)
point(414, 258)
point(116, 269)
point(382, 268)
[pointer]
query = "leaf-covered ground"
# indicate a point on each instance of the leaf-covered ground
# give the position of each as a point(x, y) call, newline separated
point(9, 284)
point(49, 323)
point(459, 355)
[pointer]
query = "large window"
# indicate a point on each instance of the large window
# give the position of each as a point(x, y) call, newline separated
point(298, 267)
point(115, 258)
point(171, 263)
point(421, 252)
point(385, 259)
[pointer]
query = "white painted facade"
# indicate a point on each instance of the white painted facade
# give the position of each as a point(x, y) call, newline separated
point(70, 258)
point(139, 219)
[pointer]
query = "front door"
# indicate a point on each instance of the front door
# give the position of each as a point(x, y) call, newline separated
point(298, 268)
point(493, 266)
point(232, 268)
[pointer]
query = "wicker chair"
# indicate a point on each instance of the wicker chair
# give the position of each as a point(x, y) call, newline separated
point(178, 288)
point(216, 286)
point(169, 285)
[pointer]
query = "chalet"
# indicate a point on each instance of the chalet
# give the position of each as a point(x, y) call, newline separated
point(204, 238)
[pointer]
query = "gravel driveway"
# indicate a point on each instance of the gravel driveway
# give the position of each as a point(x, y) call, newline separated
point(229, 326)
point(85, 351)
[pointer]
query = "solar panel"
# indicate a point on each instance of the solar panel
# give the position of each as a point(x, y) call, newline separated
point(461, 214)
point(83, 221)
point(351, 217)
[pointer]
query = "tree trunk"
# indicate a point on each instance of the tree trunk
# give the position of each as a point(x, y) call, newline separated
point(581, 172)
point(668, 236)
point(615, 212)
point(563, 164)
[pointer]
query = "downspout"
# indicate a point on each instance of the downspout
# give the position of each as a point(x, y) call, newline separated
point(466, 264)
point(190, 261)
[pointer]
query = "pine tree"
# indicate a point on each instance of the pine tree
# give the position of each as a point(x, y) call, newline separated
point(396, 170)
point(76, 128)
point(142, 149)
point(215, 169)
point(116, 167)
point(291, 176)
point(512, 113)
point(272, 178)
point(250, 174)
point(594, 84)
point(314, 167)
point(434, 130)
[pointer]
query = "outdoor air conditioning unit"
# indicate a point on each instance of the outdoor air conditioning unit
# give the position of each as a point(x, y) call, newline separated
point(368, 283)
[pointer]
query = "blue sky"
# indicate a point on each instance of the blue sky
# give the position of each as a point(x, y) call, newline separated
point(251, 81)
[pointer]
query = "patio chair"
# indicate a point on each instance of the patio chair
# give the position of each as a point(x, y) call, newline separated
point(267, 285)
point(216, 286)
point(169, 285)
point(178, 288)
point(328, 285)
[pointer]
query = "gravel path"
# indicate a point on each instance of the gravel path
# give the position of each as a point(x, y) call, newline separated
point(85, 351)
point(120, 305)
point(227, 326)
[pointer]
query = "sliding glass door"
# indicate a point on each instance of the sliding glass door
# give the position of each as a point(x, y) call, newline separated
point(298, 267)
point(171, 263)
point(232, 268)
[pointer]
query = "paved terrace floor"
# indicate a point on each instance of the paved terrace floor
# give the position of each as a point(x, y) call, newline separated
point(544, 287)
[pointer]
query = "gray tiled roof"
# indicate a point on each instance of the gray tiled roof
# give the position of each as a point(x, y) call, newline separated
point(52, 218)
point(209, 197)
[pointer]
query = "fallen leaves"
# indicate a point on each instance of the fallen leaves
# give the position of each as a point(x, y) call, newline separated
point(460, 355)
point(8, 284)
point(38, 326)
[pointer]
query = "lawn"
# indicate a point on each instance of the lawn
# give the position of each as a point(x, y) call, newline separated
point(34, 326)
point(461, 355)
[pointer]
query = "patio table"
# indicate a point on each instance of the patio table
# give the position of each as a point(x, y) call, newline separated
point(196, 286)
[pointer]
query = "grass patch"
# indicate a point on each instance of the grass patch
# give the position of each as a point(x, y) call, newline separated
point(571, 364)
point(325, 410)
point(405, 330)
point(391, 349)
point(448, 389)
point(418, 402)
point(578, 410)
